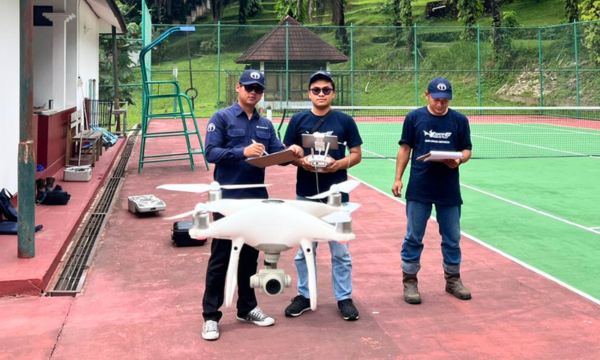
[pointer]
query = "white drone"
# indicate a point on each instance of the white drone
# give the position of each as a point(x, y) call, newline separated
point(271, 226)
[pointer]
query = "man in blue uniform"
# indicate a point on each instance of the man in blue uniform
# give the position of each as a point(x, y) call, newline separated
point(430, 128)
point(321, 118)
point(232, 135)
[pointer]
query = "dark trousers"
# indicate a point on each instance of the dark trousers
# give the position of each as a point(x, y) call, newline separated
point(216, 273)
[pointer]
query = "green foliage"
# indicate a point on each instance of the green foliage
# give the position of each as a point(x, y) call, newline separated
point(468, 13)
point(509, 19)
point(571, 10)
point(284, 8)
point(255, 7)
point(590, 10)
point(126, 69)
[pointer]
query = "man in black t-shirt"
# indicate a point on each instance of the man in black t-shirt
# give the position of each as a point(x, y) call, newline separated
point(309, 182)
point(433, 128)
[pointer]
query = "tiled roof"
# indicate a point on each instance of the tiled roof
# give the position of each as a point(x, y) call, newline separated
point(304, 45)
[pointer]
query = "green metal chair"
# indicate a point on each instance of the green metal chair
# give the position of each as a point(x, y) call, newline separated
point(179, 112)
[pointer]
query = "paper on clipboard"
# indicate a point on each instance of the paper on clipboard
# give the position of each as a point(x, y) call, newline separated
point(277, 158)
point(440, 156)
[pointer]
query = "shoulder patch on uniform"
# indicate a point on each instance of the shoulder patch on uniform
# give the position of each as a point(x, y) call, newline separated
point(211, 127)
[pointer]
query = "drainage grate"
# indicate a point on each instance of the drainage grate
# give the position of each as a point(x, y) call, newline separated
point(71, 278)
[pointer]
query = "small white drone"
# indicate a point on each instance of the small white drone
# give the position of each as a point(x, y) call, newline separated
point(319, 144)
point(271, 226)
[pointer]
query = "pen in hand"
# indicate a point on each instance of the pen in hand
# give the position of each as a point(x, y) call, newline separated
point(254, 142)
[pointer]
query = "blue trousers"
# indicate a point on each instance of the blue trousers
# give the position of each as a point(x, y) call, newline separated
point(448, 218)
point(341, 269)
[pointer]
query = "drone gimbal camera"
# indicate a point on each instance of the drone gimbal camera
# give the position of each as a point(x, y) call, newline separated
point(319, 144)
point(271, 279)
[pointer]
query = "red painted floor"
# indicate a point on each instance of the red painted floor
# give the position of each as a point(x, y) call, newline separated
point(31, 276)
point(142, 298)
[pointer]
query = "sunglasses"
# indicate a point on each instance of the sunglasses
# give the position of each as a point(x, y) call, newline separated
point(325, 90)
point(256, 88)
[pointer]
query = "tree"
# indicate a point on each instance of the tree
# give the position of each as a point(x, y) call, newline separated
point(292, 8)
point(338, 19)
point(590, 10)
point(468, 13)
point(571, 10)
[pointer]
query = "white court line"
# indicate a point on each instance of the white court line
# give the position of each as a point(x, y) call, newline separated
point(591, 229)
point(502, 253)
point(528, 145)
point(531, 209)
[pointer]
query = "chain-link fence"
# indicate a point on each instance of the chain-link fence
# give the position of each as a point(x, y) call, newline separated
point(382, 66)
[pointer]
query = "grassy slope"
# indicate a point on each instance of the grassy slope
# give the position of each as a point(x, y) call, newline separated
point(377, 86)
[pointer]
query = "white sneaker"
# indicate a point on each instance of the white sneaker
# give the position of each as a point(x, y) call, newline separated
point(210, 330)
point(257, 317)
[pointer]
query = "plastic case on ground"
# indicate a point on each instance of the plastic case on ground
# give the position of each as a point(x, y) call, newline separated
point(77, 173)
point(145, 204)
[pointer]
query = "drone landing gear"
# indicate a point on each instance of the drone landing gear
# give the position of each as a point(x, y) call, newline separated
point(271, 279)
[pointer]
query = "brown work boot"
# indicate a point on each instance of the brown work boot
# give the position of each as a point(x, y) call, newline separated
point(411, 290)
point(455, 286)
point(41, 189)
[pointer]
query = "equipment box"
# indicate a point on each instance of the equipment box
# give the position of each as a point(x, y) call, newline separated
point(145, 204)
point(181, 235)
point(78, 173)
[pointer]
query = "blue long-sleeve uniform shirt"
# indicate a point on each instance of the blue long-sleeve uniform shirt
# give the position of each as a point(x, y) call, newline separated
point(228, 132)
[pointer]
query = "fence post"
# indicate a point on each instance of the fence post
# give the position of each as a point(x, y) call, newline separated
point(416, 66)
point(352, 64)
point(576, 37)
point(287, 64)
point(479, 65)
point(540, 67)
point(219, 65)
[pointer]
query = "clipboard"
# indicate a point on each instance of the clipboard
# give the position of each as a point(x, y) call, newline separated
point(277, 158)
point(440, 156)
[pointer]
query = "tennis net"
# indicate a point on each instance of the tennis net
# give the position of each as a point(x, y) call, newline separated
point(496, 132)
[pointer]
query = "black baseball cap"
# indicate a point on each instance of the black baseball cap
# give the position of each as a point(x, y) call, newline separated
point(250, 77)
point(321, 75)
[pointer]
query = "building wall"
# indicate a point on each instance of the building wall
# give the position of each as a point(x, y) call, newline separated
point(89, 53)
point(9, 94)
point(42, 61)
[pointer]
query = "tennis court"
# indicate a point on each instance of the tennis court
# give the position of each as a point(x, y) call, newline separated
point(530, 191)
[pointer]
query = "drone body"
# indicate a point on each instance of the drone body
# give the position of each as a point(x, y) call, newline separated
point(273, 226)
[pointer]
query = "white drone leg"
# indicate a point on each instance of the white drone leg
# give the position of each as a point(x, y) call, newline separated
point(231, 281)
point(307, 247)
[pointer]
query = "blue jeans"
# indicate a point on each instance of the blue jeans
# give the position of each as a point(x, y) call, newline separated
point(341, 269)
point(448, 218)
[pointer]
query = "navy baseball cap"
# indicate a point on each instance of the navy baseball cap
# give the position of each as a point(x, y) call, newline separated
point(321, 75)
point(440, 88)
point(250, 77)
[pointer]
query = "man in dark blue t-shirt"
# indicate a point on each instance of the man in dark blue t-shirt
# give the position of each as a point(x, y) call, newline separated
point(433, 128)
point(309, 182)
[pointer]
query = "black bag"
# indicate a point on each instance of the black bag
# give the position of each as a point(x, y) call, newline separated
point(54, 197)
point(6, 208)
point(11, 228)
point(181, 235)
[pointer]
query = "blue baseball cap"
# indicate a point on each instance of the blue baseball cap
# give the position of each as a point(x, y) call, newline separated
point(321, 75)
point(440, 88)
point(250, 77)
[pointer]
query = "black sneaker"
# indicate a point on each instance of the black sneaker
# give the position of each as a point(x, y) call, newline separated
point(349, 311)
point(299, 305)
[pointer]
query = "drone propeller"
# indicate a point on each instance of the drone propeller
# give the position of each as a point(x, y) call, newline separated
point(201, 207)
point(214, 186)
point(342, 216)
point(345, 187)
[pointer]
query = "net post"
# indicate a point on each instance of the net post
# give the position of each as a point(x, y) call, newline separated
point(576, 36)
point(416, 66)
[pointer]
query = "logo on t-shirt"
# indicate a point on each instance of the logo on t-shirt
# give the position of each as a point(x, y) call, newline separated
point(436, 135)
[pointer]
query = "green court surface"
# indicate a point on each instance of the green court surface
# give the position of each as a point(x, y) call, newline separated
point(544, 212)
point(530, 191)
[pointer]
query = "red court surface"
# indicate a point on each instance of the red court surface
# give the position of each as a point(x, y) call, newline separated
point(142, 298)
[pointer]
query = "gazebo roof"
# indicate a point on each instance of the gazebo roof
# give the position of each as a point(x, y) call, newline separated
point(304, 45)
